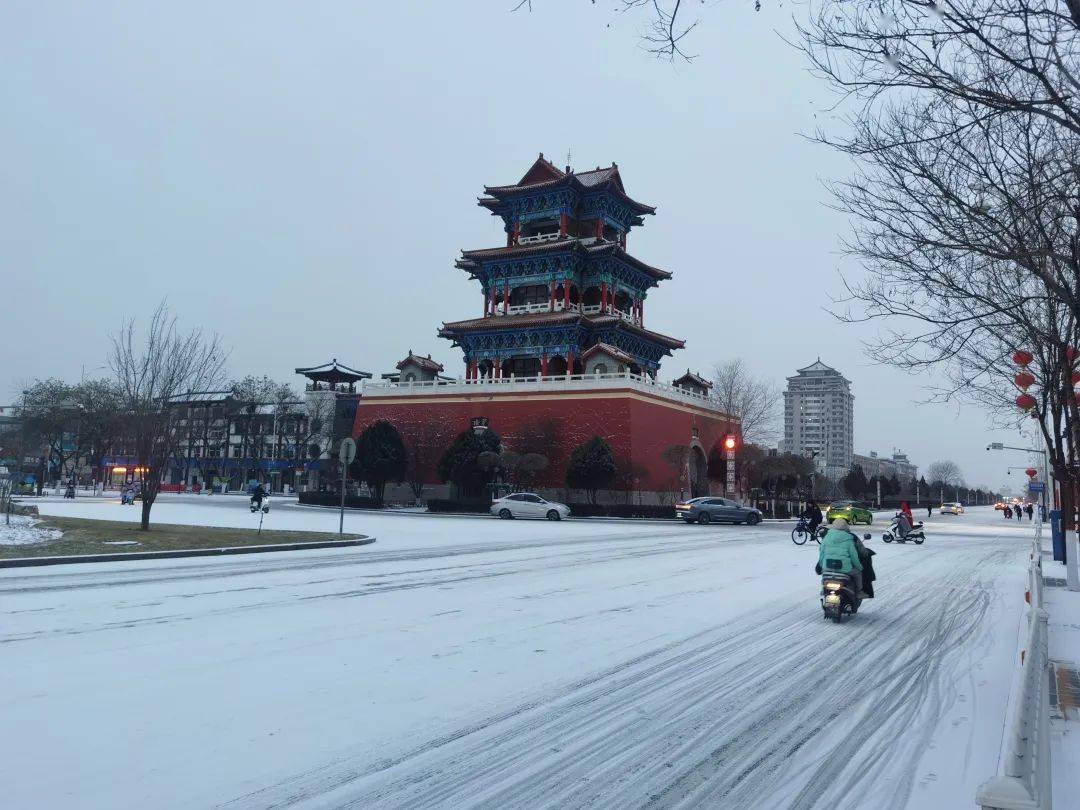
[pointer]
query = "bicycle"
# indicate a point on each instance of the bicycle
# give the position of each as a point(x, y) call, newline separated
point(801, 533)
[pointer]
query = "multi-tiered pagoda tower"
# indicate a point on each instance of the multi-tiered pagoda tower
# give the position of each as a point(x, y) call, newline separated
point(563, 296)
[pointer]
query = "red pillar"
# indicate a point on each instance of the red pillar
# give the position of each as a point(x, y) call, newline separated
point(622, 240)
point(599, 229)
point(516, 233)
point(603, 296)
point(641, 311)
point(487, 302)
point(569, 362)
point(564, 224)
point(543, 365)
point(566, 293)
point(506, 299)
point(551, 306)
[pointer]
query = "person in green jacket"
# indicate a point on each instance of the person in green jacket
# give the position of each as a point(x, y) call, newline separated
point(839, 554)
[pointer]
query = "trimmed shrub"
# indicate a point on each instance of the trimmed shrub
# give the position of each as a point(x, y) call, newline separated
point(333, 499)
point(470, 506)
point(622, 510)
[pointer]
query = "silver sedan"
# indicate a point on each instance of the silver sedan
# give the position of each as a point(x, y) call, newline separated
point(528, 505)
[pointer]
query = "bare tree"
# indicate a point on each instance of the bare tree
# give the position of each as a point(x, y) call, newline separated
point(945, 472)
point(49, 414)
point(153, 369)
point(100, 420)
point(426, 441)
point(753, 400)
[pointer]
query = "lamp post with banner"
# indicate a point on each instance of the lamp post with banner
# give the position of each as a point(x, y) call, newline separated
point(729, 457)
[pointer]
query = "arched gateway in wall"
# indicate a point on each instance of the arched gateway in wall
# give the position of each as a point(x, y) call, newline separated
point(698, 471)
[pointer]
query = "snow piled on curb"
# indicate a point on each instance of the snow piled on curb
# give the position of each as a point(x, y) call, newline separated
point(24, 530)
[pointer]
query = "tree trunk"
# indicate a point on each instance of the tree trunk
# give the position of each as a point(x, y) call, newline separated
point(144, 524)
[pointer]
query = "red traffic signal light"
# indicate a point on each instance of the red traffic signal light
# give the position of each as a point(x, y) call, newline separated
point(729, 442)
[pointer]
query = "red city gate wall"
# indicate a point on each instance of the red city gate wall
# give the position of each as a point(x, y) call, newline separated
point(637, 426)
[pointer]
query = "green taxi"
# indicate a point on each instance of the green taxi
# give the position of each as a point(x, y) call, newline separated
point(851, 511)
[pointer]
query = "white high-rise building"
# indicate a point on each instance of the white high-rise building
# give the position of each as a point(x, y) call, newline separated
point(819, 418)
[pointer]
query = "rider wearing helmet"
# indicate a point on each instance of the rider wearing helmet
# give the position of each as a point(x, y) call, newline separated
point(840, 555)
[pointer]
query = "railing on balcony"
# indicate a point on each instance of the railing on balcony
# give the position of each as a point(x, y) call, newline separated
point(529, 309)
point(539, 383)
point(541, 306)
point(596, 309)
point(538, 237)
point(341, 388)
point(560, 306)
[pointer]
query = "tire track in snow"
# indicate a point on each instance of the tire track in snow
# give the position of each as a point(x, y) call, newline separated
point(766, 713)
point(376, 584)
point(157, 573)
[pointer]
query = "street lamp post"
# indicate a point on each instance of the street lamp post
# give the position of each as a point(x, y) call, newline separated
point(1046, 472)
point(1026, 402)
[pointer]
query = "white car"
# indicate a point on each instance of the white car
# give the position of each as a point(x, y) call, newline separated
point(952, 509)
point(528, 505)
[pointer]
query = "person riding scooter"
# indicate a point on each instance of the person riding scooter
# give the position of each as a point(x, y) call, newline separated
point(257, 496)
point(903, 524)
point(839, 554)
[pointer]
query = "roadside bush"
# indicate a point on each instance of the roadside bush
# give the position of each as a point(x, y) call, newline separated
point(622, 510)
point(479, 506)
point(333, 499)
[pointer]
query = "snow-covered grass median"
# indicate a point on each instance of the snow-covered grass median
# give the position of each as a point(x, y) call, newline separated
point(23, 530)
point(66, 536)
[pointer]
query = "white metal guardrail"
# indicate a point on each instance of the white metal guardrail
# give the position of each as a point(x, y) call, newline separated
point(1023, 778)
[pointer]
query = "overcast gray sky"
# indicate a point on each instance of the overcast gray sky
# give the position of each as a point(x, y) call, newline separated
point(301, 176)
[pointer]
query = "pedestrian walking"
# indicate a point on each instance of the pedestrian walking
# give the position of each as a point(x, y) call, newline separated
point(1030, 511)
point(929, 510)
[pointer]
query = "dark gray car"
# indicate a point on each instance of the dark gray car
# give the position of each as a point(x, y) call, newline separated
point(711, 509)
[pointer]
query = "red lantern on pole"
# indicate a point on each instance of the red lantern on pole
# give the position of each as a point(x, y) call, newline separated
point(1022, 358)
point(1025, 379)
point(1025, 402)
point(1031, 472)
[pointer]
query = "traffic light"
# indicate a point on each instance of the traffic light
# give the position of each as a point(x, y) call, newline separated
point(729, 442)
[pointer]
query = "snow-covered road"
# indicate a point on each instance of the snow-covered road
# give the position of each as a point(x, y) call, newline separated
point(467, 662)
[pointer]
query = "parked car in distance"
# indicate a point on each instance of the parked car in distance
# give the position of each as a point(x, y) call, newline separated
point(851, 511)
point(952, 508)
point(710, 509)
point(528, 505)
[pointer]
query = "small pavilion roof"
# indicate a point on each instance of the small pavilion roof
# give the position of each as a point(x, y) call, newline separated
point(544, 174)
point(608, 349)
point(333, 372)
point(817, 365)
point(470, 259)
point(423, 362)
point(693, 379)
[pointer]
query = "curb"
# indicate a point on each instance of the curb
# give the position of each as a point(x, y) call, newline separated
point(485, 515)
point(26, 562)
